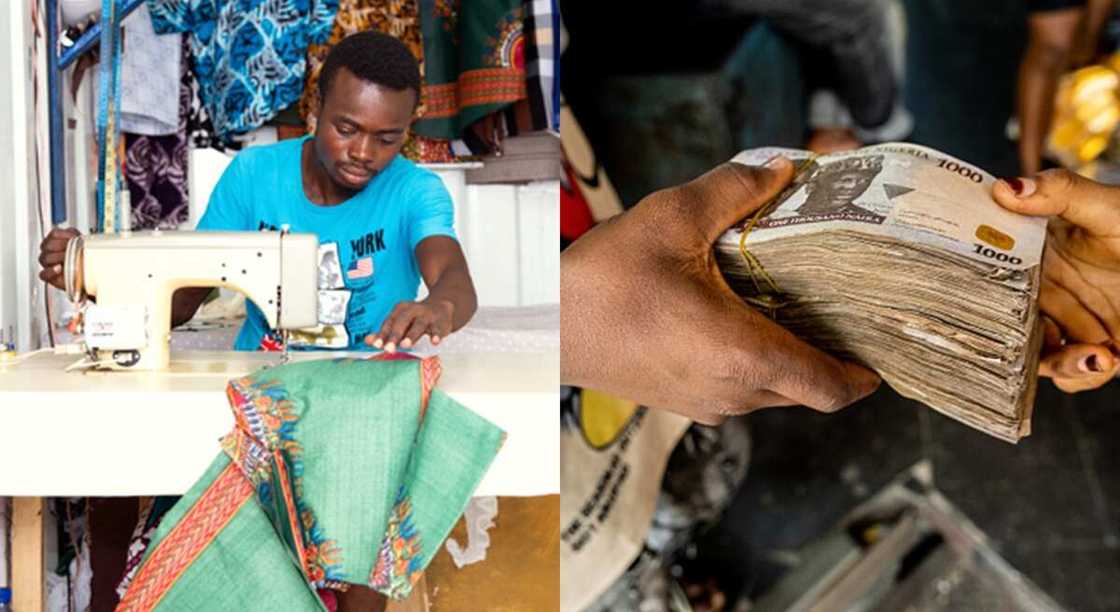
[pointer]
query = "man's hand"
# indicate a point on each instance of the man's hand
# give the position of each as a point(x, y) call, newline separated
point(410, 321)
point(1080, 292)
point(52, 252)
point(647, 315)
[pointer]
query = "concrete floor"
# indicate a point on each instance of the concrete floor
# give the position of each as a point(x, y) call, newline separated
point(1050, 504)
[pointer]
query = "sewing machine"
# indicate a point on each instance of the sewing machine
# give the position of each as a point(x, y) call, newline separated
point(133, 275)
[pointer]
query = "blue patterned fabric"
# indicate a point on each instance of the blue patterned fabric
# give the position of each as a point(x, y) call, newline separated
point(249, 55)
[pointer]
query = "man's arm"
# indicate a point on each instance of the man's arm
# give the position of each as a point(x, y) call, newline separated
point(444, 268)
point(1051, 41)
point(185, 302)
point(450, 304)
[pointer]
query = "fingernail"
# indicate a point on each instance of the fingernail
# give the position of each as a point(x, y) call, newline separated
point(866, 380)
point(1090, 364)
point(406, 343)
point(391, 347)
point(1022, 187)
point(378, 342)
point(775, 163)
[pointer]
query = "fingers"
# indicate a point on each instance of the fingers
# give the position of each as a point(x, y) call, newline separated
point(1078, 361)
point(1083, 202)
point(406, 325)
point(52, 253)
point(726, 195)
point(798, 373)
point(1080, 367)
point(1074, 319)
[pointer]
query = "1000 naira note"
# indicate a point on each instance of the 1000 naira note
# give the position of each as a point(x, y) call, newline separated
point(897, 256)
point(903, 191)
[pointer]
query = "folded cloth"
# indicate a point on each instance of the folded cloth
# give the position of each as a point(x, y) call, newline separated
point(337, 472)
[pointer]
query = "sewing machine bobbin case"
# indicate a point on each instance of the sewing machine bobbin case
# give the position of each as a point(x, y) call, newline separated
point(133, 275)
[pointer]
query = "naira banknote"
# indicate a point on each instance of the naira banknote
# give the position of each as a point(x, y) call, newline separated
point(903, 191)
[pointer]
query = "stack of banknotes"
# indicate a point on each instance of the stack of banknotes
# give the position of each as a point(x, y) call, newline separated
point(896, 256)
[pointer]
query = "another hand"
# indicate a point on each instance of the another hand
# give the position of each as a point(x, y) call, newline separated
point(52, 252)
point(1080, 291)
point(647, 315)
point(410, 321)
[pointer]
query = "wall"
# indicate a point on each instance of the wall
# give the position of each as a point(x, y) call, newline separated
point(20, 291)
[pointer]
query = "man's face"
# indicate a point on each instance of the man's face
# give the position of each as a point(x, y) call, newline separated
point(848, 186)
point(361, 128)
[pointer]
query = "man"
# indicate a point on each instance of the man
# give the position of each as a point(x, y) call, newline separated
point(833, 188)
point(389, 222)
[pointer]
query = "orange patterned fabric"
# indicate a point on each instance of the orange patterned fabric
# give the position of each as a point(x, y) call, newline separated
point(475, 87)
point(197, 529)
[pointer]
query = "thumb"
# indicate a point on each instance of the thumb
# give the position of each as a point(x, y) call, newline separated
point(1083, 202)
point(724, 196)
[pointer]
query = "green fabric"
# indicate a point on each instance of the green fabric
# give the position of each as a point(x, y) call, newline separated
point(245, 568)
point(444, 468)
point(371, 482)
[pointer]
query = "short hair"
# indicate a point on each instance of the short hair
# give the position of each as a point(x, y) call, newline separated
point(375, 58)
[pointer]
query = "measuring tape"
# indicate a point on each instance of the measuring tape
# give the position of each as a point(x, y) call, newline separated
point(108, 130)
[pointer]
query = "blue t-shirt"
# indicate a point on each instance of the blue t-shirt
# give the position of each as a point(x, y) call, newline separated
point(370, 239)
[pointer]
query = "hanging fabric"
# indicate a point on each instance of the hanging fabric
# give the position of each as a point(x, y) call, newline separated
point(475, 63)
point(249, 57)
point(539, 110)
point(150, 77)
point(156, 166)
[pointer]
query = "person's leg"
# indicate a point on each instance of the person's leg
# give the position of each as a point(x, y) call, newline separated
point(361, 599)
point(111, 522)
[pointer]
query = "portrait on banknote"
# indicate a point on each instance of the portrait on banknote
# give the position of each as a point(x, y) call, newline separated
point(830, 191)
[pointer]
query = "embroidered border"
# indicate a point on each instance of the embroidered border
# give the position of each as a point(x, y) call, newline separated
point(207, 517)
point(474, 87)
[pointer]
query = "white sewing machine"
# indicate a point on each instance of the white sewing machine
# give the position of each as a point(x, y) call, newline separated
point(133, 275)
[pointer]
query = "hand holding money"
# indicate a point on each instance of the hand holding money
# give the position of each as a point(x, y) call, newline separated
point(648, 316)
point(1080, 288)
point(895, 256)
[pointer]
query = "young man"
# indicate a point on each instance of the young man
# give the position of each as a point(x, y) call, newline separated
point(384, 221)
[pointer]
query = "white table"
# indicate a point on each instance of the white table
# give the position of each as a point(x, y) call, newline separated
point(154, 433)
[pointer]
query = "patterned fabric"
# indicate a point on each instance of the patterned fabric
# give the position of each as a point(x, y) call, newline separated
point(398, 18)
point(150, 77)
point(475, 63)
point(249, 55)
point(155, 167)
point(359, 470)
point(187, 540)
point(541, 108)
point(398, 560)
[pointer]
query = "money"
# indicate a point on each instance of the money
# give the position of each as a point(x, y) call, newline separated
point(897, 257)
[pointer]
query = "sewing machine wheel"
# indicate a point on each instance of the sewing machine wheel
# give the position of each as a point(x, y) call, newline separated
point(72, 270)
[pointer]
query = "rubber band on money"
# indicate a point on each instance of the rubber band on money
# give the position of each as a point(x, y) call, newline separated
point(754, 266)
